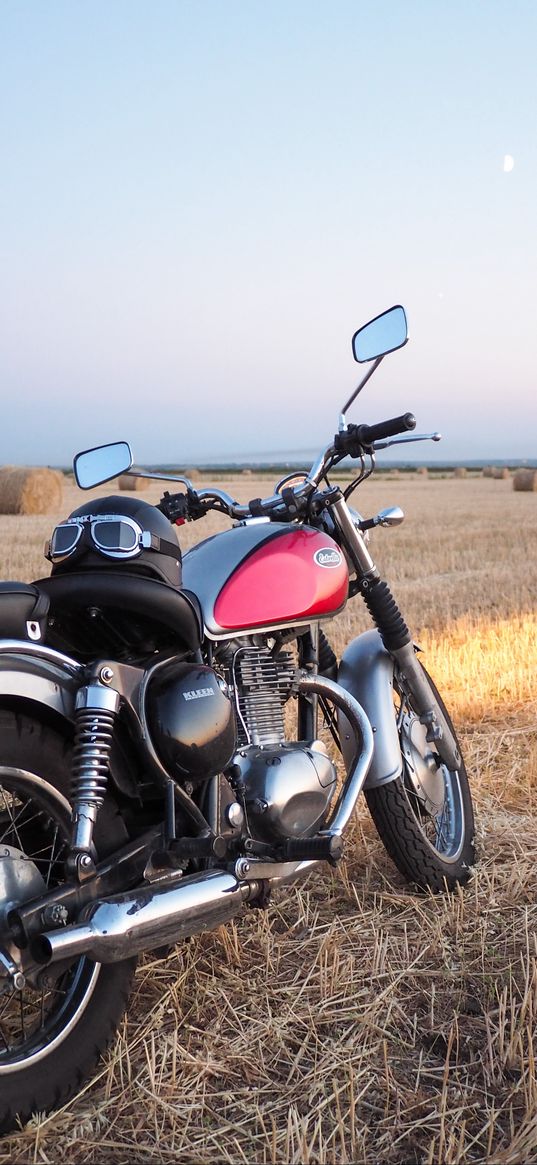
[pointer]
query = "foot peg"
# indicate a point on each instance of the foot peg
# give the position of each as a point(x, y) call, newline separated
point(327, 847)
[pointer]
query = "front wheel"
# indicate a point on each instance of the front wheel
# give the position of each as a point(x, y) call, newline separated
point(425, 817)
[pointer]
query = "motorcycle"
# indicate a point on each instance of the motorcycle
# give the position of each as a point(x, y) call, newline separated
point(161, 759)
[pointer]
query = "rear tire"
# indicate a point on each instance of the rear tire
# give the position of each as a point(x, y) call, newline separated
point(425, 817)
point(51, 1038)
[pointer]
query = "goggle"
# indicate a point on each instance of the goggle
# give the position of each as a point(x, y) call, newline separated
point(113, 536)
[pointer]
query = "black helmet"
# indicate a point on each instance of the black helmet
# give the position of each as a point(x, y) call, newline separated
point(116, 532)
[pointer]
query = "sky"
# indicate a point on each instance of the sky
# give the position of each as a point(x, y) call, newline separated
point(202, 200)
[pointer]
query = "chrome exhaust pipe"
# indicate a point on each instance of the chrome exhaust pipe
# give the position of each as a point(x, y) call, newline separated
point(364, 740)
point(152, 916)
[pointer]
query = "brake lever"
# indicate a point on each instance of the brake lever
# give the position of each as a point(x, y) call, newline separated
point(406, 440)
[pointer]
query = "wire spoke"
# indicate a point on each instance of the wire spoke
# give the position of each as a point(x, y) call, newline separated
point(33, 822)
point(12, 828)
point(52, 858)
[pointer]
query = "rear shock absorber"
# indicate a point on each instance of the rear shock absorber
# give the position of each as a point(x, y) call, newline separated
point(96, 711)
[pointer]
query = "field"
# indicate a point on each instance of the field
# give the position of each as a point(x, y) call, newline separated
point(357, 1020)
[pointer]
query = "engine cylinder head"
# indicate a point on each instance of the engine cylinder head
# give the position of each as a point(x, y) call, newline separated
point(262, 684)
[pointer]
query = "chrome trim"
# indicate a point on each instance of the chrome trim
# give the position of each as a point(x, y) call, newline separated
point(21, 647)
point(277, 873)
point(354, 541)
point(95, 697)
point(133, 472)
point(363, 734)
point(406, 440)
point(116, 928)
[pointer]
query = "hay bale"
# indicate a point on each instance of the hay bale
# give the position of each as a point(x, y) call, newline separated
point(126, 482)
point(460, 471)
point(423, 471)
point(30, 491)
point(500, 474)
point(488, 470)
point(247, 473)
point(193, 474)
point(525, 479)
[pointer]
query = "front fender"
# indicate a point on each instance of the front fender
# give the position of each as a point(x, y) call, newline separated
point(29, 671)
point(366, 671)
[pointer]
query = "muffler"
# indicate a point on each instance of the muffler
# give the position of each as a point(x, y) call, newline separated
point(148, 917)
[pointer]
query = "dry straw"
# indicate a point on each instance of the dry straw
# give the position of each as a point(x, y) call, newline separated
point(525, 479)
point(461, 471)
point(30, 491)
point(501, 474)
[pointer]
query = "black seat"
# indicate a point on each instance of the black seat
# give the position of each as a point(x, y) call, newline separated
point(23, 611)
point(123, 599)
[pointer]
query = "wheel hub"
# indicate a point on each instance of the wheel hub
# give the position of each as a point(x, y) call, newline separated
point(423, 765)
point(20, 880)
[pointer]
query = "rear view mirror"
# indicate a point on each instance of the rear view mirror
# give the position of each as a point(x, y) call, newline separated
point(383, 334)
point(94, 466)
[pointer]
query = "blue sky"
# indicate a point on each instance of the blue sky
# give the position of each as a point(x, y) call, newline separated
point(202, 199)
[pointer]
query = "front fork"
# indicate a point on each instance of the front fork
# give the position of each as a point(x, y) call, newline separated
point(395, 635)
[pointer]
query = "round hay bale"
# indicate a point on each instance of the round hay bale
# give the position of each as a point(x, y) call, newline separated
point(193, 474)
point(126, 482)
point(501, 474)
point(423, 471)
point(460, 471)
point(488, 470)
point(30, 491)
point(525, 479)
point(247, 473)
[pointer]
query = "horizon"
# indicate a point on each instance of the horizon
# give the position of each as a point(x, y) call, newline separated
point(265, 462)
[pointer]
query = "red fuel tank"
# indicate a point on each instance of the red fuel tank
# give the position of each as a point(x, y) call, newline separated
point(298, 575)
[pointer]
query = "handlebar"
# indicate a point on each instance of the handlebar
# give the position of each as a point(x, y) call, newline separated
point(292, 501)
point(367, 434)
point(357, 438)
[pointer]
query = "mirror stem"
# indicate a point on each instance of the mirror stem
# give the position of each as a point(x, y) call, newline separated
point(373, 369)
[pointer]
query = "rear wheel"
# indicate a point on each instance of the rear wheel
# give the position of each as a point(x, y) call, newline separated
point(425, 817)
point(53, 1028)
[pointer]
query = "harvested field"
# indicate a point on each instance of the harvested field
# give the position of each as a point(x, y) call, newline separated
point(357, 1021)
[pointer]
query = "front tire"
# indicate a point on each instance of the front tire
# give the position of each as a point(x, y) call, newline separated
point(51, 1034)
point(425, 817)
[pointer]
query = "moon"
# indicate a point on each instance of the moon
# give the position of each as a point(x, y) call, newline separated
point(508, 163)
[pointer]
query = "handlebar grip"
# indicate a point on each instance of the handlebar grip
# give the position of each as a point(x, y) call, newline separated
point(368, 434)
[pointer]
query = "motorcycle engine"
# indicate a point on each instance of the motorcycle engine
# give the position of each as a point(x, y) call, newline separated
point(288, 785)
